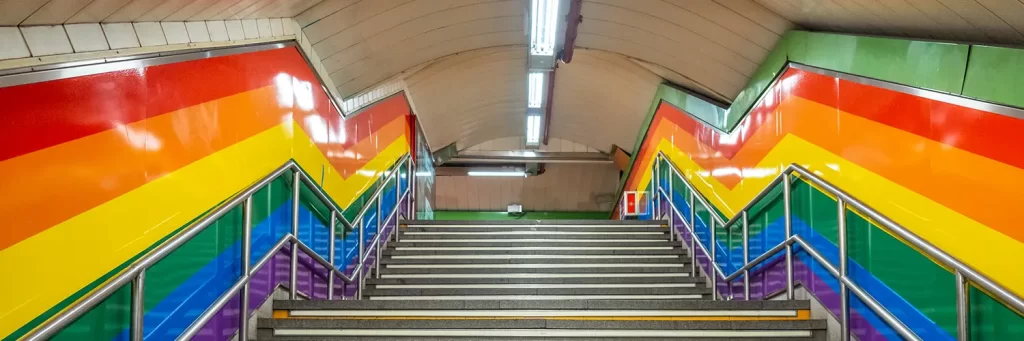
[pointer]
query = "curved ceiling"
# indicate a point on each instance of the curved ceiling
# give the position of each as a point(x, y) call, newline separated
point(985, 21)
point(464, 61)
point(53, 12)
point(601, 99)
point(471, 97)
point(714, 48)
point(362, 43)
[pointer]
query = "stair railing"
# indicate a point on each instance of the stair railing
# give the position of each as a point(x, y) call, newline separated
point(136, 272)
point(965, 275)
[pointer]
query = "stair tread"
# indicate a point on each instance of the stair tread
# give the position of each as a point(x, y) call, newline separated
point(373, 281)
point(544, 304)
point(390, 270)
point(372, 291)
point(539, 243)
point(456, 323)
point(551, 260)
point(533, 222)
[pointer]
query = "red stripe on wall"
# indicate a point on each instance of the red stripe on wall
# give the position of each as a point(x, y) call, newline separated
point(980, 132)
point(54, 112)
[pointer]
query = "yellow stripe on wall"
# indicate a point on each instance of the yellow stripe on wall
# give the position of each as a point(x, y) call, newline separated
point(346, 191)
point(143, 216)
point(950, 231)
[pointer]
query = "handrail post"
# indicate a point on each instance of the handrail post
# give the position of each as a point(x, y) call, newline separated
point(293, 275)
point(787, 214)
point(693, 236)
point(411, 214)
point(746, 257)
point(962, 307)
point(398, 196)
point(711, 267)
point(243, 297)
point(330, 256)
point(359, 258)
point(380, 227)
point(844, 292)
point(669, 194)
point(138, 305)
point(654, 190)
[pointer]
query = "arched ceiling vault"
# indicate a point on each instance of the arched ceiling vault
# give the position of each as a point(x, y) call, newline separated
point(463, 61)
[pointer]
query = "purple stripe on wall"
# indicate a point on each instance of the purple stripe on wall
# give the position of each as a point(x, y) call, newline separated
point(771, 279)
point(311, 278)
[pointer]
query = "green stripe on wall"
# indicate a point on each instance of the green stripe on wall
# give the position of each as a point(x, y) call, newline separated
point(996, 74)
point(917, 279)
point(109, 318)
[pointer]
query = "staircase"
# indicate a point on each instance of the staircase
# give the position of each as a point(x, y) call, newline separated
point(580, 280)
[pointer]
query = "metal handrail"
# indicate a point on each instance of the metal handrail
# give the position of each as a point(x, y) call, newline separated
point(965, 275)
point(135, 273)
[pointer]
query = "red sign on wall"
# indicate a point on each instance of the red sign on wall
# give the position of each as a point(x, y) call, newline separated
point(630, 198)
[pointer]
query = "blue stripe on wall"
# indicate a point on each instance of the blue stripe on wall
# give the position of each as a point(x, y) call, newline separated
point(774, 233)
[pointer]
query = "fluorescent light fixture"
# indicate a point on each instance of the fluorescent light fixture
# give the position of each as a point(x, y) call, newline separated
point(496, 173)
point(542, 29)
point(533, 129)
point(536, 91)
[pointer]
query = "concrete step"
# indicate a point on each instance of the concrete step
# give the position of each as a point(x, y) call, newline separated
point(295, 329)
point(565, 228)
point(695, 292)
point(413, 235)
point(531, 223)
point(537, 275)
point(537, 250)
point(541, 304)
point(530, 242)
point(535, 268)
point(585, 280)
point(534, 259)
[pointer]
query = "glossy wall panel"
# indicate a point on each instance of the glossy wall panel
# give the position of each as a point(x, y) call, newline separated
point(946, 172)
point(98, 169)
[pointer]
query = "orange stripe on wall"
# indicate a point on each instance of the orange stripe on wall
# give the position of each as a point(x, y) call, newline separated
point(57, 183)
point(983, 190)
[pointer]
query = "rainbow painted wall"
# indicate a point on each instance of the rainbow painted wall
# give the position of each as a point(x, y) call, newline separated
point(948, 173)
point(97, 169)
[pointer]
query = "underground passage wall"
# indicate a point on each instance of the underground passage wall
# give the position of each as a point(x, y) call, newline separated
point(98, 168)
point(945, 167)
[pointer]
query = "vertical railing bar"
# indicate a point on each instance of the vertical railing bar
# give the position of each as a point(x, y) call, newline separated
point(412, 194)
point(711, 272)
point(293, 275)
point(787, 214)
point(138, 305)
point(330, 255)
point(962, 307)
point(243, 296)
point(380, 224)
point(693, 237)
point(359, 271)
point(654, 189)
point(670, 194)
point(844, 292)
point(746, 257)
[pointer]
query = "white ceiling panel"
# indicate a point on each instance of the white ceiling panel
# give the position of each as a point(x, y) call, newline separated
point(601, 99)
point(489, 101)
point(987, 21)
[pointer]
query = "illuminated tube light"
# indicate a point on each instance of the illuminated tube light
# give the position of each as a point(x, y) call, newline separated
point(533, 129)
point(542, 28)
point(536, 91)
point(497, 173)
